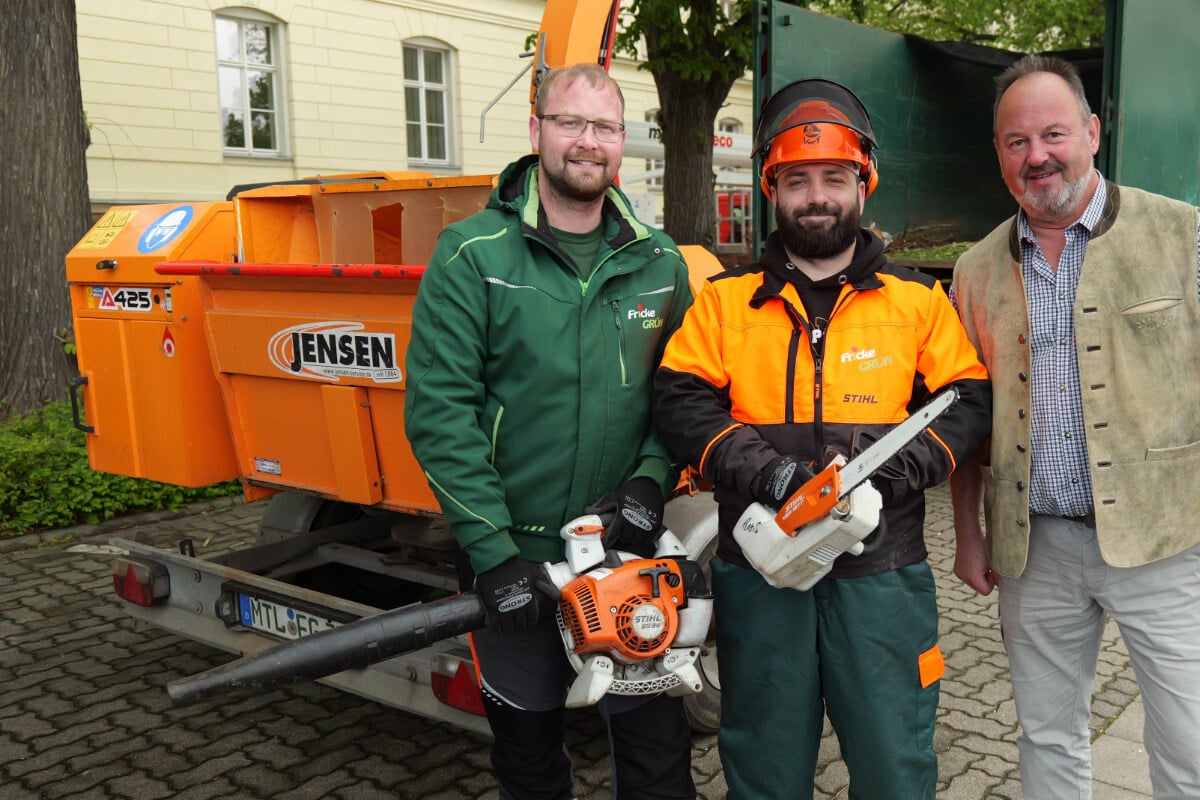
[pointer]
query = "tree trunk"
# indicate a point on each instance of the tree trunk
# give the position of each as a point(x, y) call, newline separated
point(694, 66)
point(686, 117)
point(44, 207)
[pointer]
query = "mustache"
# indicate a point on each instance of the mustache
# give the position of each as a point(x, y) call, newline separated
point(582, 154)
point(814, 210)
point(1051, 164)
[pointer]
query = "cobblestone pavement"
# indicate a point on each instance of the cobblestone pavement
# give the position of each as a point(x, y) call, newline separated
point(84, 712)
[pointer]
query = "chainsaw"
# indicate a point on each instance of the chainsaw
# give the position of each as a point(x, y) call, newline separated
point(630, 626)
point(830, 514)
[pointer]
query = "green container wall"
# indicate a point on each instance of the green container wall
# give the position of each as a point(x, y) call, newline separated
point(931, 114)
point(931, 108)
point(1153, 129)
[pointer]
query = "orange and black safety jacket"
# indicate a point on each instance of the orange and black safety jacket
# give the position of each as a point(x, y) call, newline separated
point(752, 374)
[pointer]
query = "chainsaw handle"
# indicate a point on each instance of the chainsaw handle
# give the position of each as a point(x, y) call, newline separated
point(812, 501)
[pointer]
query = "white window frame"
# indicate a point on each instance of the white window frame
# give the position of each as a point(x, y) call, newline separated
point(422, 86)
point(275, 30)
point(729, 125)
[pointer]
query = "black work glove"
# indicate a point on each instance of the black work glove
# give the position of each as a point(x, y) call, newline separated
point(637, 510)
point(779, 480)
point(890, 480)
point(509, 598)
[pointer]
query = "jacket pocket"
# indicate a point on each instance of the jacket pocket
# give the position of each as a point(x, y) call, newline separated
point(1150, 319)
point(1191, 450)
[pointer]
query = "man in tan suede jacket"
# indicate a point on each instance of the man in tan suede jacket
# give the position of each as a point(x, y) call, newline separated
point(1085, 307)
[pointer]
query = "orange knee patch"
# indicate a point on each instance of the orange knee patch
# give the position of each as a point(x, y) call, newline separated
point(931, 666)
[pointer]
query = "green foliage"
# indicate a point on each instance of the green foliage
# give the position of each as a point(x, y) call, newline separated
point(942, 252)
point(1029, 26)
point(702, 41)
point(46, 483)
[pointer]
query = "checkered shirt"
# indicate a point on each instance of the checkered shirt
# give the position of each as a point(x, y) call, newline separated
point(1060, 483)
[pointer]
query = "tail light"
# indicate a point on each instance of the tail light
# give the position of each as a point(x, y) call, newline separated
point(142, 582)
point(454, 683)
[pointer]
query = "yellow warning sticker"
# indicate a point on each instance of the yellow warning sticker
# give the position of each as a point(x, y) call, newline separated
point(106, 229)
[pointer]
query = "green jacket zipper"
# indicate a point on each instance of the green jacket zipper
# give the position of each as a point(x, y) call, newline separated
point(620, 342)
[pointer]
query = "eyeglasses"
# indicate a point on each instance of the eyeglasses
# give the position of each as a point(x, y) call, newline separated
point(572, 127)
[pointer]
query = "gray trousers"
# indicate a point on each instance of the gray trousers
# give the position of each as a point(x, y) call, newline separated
point(1053, 617)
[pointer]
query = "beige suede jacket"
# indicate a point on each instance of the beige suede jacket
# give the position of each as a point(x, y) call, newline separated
point(1137, 325)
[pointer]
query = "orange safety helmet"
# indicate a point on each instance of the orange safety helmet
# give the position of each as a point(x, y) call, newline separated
point(815, 120)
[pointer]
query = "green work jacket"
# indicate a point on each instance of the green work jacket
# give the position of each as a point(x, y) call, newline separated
point(528, 387)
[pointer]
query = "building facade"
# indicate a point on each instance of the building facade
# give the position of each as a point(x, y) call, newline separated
point(188, 98)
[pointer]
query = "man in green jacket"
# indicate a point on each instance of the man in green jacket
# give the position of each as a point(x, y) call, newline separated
point(536, 332)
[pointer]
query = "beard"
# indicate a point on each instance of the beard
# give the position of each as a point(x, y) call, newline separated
point(808, 241)
point(1055, 205)
point(579, 188)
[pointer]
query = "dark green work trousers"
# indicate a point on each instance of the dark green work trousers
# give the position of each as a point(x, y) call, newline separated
point(863, 650)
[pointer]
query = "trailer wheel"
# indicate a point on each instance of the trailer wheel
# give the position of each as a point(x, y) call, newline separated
point(704, 710)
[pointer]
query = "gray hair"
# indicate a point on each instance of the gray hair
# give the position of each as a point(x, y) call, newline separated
point(1055, 65)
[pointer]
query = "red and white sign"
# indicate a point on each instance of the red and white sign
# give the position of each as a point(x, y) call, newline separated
point(123, 298)
point(644, 140)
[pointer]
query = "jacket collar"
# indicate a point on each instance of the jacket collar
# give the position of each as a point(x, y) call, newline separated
point(1108, 216)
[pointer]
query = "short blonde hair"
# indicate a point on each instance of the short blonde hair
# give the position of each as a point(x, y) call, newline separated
point(595, 77)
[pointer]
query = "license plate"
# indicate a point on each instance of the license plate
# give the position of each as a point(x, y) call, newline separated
point(280, 620)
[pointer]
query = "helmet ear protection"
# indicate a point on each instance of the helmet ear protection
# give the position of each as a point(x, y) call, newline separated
point(870, 175)
point(815, 120)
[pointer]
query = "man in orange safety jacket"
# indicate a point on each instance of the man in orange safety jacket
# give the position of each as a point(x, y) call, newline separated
point(821, 347)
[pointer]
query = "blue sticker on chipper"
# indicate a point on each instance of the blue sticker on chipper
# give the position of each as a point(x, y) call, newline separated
point(164, 229)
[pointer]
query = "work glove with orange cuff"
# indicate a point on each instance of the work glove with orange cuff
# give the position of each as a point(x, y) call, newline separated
point(636, 507)
point(510, 601)
point(779, 480)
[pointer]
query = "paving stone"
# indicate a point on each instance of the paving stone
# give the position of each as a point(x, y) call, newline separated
point(84, 711)
point(360, 792)
point(210, 790)
point(208, 769)
point(140, 787)
point(82, 781)
point(26, 726)
point(157, 763)
point(318, 787)
point(70, 733)
point(94, 709)
point(386, 773)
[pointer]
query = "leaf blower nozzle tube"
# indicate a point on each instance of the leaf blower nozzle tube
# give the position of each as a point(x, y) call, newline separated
point(356, 645)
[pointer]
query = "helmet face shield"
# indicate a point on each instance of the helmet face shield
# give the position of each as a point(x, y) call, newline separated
point(814, 120)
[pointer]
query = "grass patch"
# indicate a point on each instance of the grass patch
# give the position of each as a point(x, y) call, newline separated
point(46, 483)
point(942, 252)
